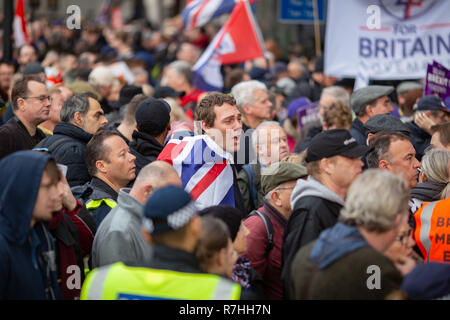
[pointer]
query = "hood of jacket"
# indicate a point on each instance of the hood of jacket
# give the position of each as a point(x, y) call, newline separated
point(428, 191)
point(312, 187)
point(21, 175)
point(71, 130)
point(336, 242)
point(146, 144)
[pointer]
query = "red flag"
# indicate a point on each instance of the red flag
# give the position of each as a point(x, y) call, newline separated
point(244, 34)
point(20, 26)
point(238, 40)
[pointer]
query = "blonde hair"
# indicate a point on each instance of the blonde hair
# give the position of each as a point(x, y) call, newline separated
point(434, 165)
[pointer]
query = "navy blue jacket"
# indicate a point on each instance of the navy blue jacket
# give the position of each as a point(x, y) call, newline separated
point(70, 153)
point(359, 132)
point(420, 139)
point(27, 255)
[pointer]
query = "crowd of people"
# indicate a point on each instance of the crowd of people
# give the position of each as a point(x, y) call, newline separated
point(147, 187)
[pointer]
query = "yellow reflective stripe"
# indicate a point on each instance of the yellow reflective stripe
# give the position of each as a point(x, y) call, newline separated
point(94, 204)
point(144, 283)
point(226, 290)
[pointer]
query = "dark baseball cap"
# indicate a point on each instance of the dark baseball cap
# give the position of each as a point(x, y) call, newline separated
point(431, 102)
point(336, 142)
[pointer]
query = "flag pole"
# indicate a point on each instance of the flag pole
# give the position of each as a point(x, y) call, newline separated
point(7, 29)
point(316, 28)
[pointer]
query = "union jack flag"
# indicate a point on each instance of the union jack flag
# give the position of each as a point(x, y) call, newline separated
point(204, 168)
point(199, 12)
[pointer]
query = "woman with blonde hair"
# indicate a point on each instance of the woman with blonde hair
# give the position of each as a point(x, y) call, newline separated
point(434, 178)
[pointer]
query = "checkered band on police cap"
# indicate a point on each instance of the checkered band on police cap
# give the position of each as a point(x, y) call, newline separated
point(169, 208)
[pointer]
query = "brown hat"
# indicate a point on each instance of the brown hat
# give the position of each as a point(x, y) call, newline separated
point(280, 172)
point(82, 86)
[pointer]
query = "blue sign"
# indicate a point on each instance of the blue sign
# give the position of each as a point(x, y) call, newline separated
point(298, 11)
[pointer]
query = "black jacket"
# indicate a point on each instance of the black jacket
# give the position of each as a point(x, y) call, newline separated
point(314, 209)
point(70, 153)
point(145, 148)
point(95, 190)
point(420, 139)
point(14, 137)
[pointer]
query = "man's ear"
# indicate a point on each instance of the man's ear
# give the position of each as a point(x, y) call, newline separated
point(275, 197)
point(195, 226)
point(325, 165)
point(246, 109)
point(78, 119)
point(147, 237)
point(205, 127)
point(369, 111)
point(100, 165)
point(383, 164)
point(21, 104)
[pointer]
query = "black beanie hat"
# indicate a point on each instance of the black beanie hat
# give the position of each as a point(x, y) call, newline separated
point(230, 215)
point(152, 116)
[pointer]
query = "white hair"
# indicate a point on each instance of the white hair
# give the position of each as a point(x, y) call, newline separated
point(101, 76)
point(338, 94)
point(243, 92)
point(374, 200)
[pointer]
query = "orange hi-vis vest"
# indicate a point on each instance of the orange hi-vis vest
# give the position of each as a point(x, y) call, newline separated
point(432, 233)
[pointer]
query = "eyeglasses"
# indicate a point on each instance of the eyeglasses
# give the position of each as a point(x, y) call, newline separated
point(40, 98)
point(403, 238)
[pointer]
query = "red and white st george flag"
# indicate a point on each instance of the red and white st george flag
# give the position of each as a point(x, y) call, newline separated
point(239, 40)
point(20, 26)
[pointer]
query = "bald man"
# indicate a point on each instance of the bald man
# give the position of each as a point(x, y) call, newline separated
point(118, 237)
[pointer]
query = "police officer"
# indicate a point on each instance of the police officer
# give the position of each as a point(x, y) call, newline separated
point(173, 228)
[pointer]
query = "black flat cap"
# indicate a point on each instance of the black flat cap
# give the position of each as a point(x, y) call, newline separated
point(385, 122)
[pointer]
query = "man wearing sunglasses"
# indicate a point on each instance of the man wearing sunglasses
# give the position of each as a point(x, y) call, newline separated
point(31, 106)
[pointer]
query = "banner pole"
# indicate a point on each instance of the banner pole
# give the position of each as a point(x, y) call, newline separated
point(316, 28)
point(7, 29)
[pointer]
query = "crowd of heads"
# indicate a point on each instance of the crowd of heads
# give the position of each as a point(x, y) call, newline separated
point(368, 152)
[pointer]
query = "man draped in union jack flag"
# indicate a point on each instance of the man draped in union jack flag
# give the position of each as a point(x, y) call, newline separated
point(205, 162)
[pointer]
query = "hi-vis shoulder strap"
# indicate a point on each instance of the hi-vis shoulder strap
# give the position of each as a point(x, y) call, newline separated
point(94, 204)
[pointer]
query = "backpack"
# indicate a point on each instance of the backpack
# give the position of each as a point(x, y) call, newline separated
point(253, 192)
point(269, 229)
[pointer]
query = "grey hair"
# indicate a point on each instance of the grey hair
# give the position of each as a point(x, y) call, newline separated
point(434, 165)
point(338, 94)
point(182, 68)
point(374, 200)
point(243, 92)
point(77, 103)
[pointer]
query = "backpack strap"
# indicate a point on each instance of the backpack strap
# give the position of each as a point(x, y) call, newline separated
point(269, 229)
point(253, 192)
point(54, 145)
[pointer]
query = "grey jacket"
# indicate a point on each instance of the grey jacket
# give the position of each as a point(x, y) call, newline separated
point(118, 237)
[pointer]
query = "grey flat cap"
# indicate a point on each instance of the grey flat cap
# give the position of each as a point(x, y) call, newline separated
point(408, 86)
point(385, 122)
point(364, 96)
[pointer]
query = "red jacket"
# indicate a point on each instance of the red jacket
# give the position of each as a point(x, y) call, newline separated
point(269, 269)
point(73, 232)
